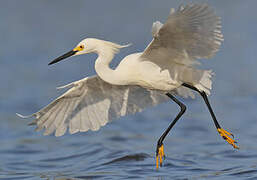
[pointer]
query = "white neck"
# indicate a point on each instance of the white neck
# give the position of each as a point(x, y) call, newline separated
point(105, 56)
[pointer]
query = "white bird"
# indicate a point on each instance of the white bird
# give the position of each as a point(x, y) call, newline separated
point(164, 69)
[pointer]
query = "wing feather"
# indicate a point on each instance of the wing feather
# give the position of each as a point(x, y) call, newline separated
point(90, 103)
point(192, 32)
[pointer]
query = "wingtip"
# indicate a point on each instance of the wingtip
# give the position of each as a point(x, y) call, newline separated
point(22, 116)
point(65, 86)
point(126, 45)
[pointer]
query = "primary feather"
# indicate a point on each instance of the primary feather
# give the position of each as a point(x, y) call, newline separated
point(190, 33)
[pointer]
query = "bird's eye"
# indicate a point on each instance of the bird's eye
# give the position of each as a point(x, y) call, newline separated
point(81, 47)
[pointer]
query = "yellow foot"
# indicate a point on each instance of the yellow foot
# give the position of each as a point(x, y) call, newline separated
point(159, 156)
point(227, 136)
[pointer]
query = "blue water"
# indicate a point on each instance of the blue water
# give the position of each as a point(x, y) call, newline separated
point(32, 33)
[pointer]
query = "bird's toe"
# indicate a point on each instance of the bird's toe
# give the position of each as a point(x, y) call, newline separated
point(159, 155)
point(229, 137)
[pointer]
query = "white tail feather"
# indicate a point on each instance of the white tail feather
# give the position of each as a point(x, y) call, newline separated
point(205, 83)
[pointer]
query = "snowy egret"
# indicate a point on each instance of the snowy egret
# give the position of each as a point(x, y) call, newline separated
point(166, 68)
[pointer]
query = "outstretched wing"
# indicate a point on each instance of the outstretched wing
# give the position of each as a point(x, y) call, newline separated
point(190, 33)
point(90, 104)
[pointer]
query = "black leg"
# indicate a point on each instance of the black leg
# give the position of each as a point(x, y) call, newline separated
point(161, 139)
point(203, 94)
point(221, 131)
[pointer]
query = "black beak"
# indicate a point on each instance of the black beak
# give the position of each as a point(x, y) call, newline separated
point(66, 55)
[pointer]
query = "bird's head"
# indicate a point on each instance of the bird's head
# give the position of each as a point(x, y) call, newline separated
point(85, 46)
point(91, 45)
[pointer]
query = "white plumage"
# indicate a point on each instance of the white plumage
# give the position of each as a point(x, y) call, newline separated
point(141, 79)
point(90, 103)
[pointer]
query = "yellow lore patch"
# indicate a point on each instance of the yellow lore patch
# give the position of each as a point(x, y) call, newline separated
point(79, 48)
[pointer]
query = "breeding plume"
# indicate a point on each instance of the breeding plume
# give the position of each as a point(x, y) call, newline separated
point(164, 70)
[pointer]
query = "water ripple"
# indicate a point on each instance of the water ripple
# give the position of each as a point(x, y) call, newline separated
point(123, 149)
point(244, 172)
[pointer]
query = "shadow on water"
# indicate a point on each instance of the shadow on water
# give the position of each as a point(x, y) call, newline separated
point(128, 158)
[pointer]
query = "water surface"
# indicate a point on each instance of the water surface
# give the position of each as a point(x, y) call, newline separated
point(35, 32)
